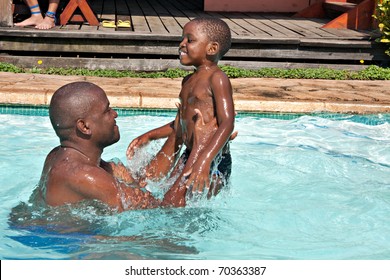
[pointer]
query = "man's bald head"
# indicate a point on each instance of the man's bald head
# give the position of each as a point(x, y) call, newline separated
point(70, 103)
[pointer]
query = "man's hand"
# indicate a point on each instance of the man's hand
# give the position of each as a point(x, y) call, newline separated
point(198, 177)
point(118, 170)
point(198, 165)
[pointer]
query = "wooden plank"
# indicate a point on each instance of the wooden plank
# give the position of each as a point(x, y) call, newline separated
point(180, 17)
point(157, 64)
point(122, 9)
point(137, 17)
point(349, 33)
point(88, 28)
point(186, 10)
point(241, 20)
point(108, 14)
point(336, 43)
point(255, 38)
point(345, 33)
point(123, 13)
point(154, 21)
point(22, 33)
point(306, 54)
point(288, 28)
point(73, 26)
point(6, 13)
point(92, 46)
point(264, 28)
point(234, 27)
point(168, 20)
point(192, 10)
point(306, 27)
point(94, 64)
point(254, 65)
point(314, 26)
point(273, 29)
point(97, 7)
point(65, 45)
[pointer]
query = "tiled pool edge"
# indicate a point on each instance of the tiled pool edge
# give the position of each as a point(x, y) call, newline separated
point(368, 119)
point(250, 95)
point(255, 107)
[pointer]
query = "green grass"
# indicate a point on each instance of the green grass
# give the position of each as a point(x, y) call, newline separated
point(370, 73)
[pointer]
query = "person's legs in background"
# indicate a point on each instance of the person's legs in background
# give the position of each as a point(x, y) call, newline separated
point(36, 19)
point(50, 17)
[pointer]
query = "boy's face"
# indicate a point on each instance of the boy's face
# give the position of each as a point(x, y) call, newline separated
point(194, 45)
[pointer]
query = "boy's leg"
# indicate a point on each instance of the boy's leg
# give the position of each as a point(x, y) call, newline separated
point(165, 159)
point(163, 162)
point(220, 175)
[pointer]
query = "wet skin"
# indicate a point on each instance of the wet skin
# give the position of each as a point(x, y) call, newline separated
point(207, 91)
point(74, 171)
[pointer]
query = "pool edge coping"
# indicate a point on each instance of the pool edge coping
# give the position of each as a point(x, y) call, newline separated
point(250, 94)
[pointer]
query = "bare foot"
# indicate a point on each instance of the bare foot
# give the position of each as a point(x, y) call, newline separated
point(34, 20)
point(46, 23)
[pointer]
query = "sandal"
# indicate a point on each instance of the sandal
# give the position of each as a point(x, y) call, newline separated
point(108, 23)
point(123, 23)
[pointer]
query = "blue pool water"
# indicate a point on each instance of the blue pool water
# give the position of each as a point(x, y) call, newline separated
point(303, 187)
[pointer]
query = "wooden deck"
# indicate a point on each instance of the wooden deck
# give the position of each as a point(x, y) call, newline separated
point(151, 43)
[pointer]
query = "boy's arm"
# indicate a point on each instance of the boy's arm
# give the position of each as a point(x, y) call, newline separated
point(224, 106)
point(154, 134)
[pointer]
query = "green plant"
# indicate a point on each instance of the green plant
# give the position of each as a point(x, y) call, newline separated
point(371, 72)
point(382, 15)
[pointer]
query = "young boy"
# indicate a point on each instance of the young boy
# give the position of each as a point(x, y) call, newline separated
point(206, 101)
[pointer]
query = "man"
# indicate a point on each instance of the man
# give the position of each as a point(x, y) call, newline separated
point(74, 171)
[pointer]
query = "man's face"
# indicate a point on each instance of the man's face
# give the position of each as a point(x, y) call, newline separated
point(102, 118)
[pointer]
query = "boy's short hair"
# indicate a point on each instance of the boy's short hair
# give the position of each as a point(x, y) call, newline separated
point(217, 31)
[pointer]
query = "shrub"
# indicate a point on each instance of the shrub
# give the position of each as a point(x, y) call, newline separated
point(382, 15)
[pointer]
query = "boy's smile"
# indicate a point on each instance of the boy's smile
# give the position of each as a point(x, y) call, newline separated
point(182, 53)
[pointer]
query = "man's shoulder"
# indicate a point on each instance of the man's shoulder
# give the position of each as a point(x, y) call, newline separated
point(68, 166)
point(79, 177)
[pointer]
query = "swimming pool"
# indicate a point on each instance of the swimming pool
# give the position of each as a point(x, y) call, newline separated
point(303, 187)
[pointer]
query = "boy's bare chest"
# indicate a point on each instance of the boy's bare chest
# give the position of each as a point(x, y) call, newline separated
point(195, 91)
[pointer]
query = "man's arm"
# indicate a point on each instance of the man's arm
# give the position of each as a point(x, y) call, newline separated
point(96, 183)
point(118, 170)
